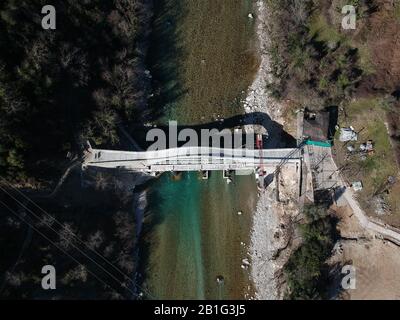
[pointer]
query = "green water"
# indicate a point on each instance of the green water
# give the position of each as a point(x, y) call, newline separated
point(177, 258)
point(205, 57)
point(197, 236)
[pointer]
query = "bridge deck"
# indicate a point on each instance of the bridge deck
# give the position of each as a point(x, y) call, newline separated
point(190, 159)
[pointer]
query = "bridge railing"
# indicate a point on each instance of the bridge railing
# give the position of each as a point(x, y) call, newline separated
point(188, 152)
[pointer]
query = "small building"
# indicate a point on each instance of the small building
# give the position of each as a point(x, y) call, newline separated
point(314, 128)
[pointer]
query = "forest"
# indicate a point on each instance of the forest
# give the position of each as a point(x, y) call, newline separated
point(59, 88)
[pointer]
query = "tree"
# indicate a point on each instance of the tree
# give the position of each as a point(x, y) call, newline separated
point(304, 269)
point(15, 160)
point(95, 240)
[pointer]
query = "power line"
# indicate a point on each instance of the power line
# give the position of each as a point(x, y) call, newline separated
point(72, 244)
point(60, 224)
point(58, 247)
point(76, 237)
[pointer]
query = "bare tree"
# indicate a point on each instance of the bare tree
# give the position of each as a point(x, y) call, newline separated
point(95, 240)
point(67, 235)
point(79, 273)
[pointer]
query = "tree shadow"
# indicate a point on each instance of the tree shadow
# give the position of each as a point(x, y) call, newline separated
point(277, 137)
point(334, 278)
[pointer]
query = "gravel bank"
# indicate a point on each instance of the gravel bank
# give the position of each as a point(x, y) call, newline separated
point(266, 219)
point(258, 98)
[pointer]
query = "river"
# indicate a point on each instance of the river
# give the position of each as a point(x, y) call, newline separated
point(204, 59)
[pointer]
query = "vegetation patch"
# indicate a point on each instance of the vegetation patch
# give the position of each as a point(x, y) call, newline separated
point(322, 31)
point(306, 269)
point(60, 88)
point(313, 61)
point(375, 170)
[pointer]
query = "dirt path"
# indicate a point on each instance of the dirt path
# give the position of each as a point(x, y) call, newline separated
point(385, 231)
point(348, 196)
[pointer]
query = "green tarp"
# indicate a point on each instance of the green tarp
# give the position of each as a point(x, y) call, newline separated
point(326, 144)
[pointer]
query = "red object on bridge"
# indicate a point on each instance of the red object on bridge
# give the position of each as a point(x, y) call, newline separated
point(259, 143)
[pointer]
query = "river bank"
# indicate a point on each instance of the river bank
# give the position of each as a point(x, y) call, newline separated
point(258, 97)
point(266, 267)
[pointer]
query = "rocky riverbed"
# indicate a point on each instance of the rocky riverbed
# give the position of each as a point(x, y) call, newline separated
point(270, 233)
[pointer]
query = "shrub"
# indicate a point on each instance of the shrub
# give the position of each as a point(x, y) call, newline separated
point(304, 270)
